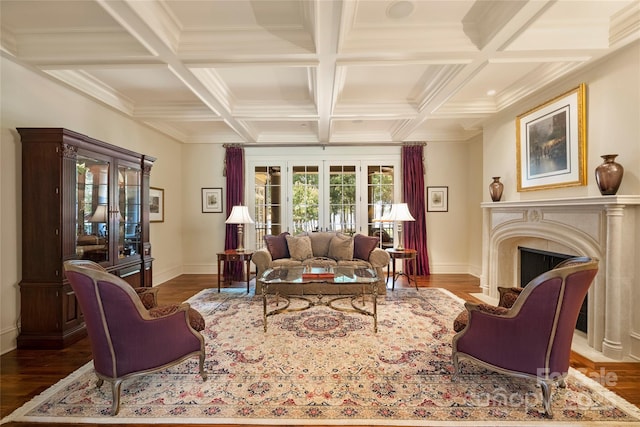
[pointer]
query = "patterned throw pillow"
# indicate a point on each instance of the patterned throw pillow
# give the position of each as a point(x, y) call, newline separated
point(195, 318)
point(461, 321)
point(277, 245)
point(363, 246)
point(341, 247)
point(299, 247)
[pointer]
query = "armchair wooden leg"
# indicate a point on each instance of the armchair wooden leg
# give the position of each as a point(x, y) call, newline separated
point(546, 397)
point(115, 391)
point(561, 382)
point(456, 366)
point(203, 371)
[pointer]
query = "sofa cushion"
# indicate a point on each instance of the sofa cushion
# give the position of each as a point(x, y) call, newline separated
point(277, 245)
point(363, 245)
point(285, 262)
point(320, 241)
point(354, 263)
point(319, 262)
point(299, 247)
point(341, 247)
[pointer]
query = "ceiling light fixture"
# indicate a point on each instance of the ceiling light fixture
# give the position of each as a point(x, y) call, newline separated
point(491, 92)
point(400, 9)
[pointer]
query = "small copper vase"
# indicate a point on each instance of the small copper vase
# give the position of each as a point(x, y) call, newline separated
point(609, 175)
point(495, 189)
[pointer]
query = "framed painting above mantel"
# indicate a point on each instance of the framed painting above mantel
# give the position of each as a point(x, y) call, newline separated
point(551, 143)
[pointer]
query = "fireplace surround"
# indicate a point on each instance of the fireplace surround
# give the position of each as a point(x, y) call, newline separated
point(606, 228)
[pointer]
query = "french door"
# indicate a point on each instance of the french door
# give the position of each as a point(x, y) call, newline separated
point(318, 195)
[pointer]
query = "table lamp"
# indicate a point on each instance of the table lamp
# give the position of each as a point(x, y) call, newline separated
point(400, 213)
point(240, 215)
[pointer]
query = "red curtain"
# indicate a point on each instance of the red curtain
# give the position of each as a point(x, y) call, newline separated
point(415, 232)
point(234, 171)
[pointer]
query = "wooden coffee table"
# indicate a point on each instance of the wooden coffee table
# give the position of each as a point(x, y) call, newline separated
point(333, 276)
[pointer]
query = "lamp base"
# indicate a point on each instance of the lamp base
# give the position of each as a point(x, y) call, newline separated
point(240, 247)
point(400, 245)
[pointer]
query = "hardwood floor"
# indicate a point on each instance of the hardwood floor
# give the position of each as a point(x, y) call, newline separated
point(27, 373)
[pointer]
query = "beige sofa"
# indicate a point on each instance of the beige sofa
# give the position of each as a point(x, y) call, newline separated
point(320, 249)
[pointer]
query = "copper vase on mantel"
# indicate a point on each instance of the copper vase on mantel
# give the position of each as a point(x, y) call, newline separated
point(495, 189)
point(609, 175)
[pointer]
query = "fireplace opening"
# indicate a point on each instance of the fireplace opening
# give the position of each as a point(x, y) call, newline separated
point(534, 262)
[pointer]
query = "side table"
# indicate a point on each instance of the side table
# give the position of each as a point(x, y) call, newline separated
point(406, 255)
point(231, 255)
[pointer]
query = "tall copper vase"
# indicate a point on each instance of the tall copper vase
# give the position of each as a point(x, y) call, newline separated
point(495, 189)
point(609, 175)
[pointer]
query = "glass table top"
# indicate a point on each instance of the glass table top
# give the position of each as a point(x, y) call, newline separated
point(306, 274)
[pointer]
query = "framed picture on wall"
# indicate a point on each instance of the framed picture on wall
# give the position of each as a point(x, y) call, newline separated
point(156, 204)
point(212, 200)
point(551, 143)
point(437, 199)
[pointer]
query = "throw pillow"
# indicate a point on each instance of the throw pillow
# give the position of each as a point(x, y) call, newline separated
point(195, 318)
point(320, 241)
point(277, 245)
point(299, 247)
point(363, 246)
point(341, 248)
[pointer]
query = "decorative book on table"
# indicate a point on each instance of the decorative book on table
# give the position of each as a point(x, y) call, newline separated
point(324, 275)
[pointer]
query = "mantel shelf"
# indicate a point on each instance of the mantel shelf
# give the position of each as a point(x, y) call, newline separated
point(565, 202)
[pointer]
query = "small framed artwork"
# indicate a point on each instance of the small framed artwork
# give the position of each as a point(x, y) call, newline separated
point(437, 199)
point(156, 204)
point(212, 200)
point(551, 143)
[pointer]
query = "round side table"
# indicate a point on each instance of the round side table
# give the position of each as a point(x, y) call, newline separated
point(231, 255)
point(406, 255)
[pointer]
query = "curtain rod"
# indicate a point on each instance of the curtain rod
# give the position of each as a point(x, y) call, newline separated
point(345, 144)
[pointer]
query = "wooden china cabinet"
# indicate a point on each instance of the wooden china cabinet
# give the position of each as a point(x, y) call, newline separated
point(81, 199)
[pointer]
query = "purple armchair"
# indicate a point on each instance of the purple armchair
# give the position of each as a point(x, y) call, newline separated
point(126, 338)
point(532, 339)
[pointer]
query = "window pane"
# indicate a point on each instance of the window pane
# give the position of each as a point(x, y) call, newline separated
point(268, 202)
point(342, 194)
point(305, 198)
point(380, 199)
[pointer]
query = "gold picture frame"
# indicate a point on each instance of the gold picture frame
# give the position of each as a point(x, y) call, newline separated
point(551, 143)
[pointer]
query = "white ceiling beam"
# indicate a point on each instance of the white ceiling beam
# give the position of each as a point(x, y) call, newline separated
point(328, 16)
point(122, 12)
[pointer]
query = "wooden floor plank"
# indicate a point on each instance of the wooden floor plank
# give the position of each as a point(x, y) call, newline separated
point(26, 373)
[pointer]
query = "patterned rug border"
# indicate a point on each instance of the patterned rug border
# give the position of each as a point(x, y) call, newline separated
point(19, 414)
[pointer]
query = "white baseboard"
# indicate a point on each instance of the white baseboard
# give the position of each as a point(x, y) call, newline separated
point(8, 340)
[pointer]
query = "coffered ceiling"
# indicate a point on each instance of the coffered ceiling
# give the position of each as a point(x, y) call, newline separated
point(311, 72)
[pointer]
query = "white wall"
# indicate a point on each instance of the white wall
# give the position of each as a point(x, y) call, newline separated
point(202, 233)
point(451, 238)
point(613, 126)
point(29, 99)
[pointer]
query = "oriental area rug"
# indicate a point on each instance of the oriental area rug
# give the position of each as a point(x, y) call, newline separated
point(328, 367)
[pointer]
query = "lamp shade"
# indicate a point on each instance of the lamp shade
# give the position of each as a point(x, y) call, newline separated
point(399, 212)
point(239, 215)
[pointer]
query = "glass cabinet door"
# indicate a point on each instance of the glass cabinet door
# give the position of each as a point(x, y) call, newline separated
point(129, 212)
point(92, 209)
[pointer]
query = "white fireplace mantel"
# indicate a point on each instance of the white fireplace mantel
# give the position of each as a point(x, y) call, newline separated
point(604, 227)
